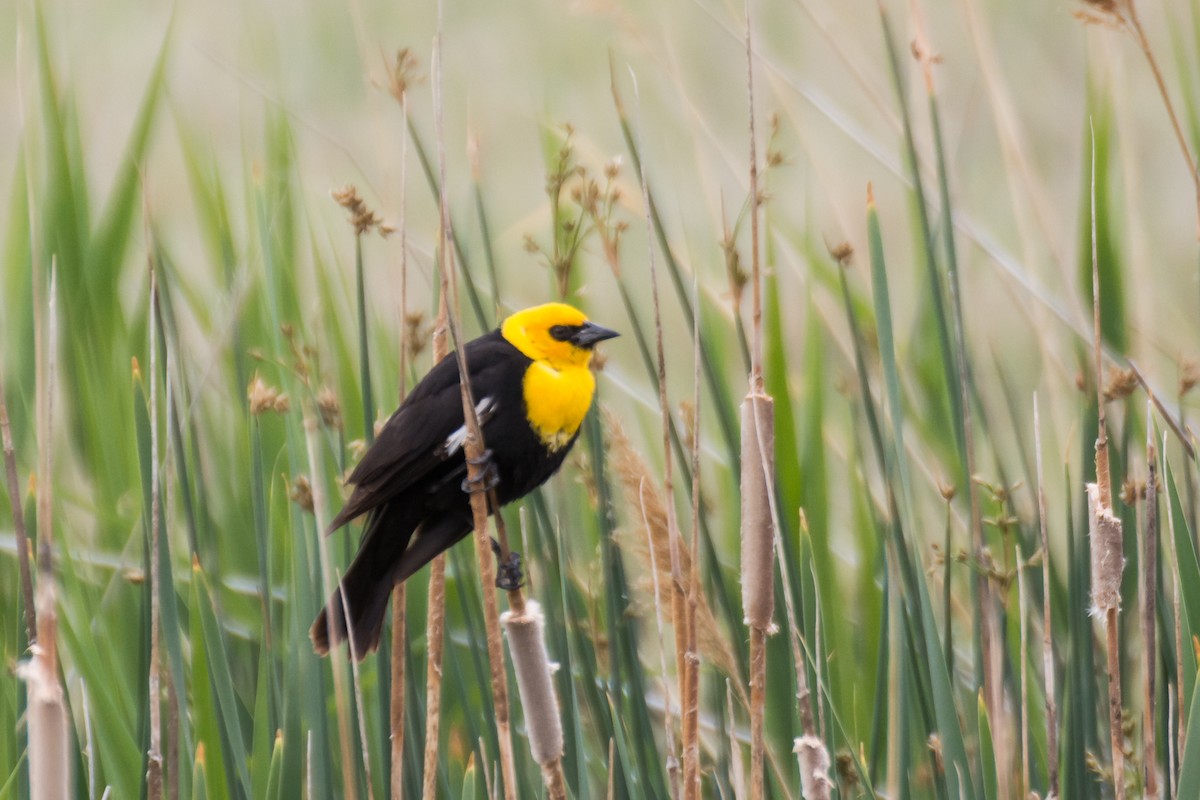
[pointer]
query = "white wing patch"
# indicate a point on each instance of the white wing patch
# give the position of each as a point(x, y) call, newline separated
point(485, 409)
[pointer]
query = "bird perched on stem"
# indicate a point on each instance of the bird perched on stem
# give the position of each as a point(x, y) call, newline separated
point(532, 384)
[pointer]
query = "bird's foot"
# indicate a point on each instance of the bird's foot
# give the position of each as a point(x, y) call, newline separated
point(509, 575)
point(487, 478)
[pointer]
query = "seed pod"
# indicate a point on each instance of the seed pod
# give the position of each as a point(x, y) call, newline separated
point(532, 665)
point(758, 525)
point(1108, 554)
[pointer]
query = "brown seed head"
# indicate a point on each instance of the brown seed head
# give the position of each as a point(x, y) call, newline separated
point(404, 74)
point(362, 218)
point(842, 253)
point(330, 408)
point(300, 493)
point(1132, 491)
point(264, 398)
point(1121, 383)
point(1189, 376)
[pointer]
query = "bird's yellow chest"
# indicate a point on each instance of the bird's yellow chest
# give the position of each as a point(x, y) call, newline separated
point(556, 401)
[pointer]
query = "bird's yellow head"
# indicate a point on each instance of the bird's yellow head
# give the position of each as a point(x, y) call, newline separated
point(554, 333)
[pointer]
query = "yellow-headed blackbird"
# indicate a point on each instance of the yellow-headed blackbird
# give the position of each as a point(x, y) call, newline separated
point(532, 387)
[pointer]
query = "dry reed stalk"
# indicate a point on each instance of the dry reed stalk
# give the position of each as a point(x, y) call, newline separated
point(1022, 606)
point(991, 632)
point(678, 591)
point(1181, 724)
point(336, 660)
point(758, 475)
point(1047, 623)
point(396, 704)
point(435, 613)
point(154, 758)
point(18, 513)
point(738, 779)
point(815, 783)
point(670, 533)
point(668, 722)
point(400, 77)
point(474, 452)
point(1176, 127)
point(758, 568)
point(690, 701)
point(1108, 559)
point(49, 733)
point(1149, 612)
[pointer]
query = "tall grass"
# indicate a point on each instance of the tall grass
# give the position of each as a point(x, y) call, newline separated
point(874, 581)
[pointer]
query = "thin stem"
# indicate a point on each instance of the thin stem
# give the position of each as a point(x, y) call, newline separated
point(18, 514)
point(1047, 620)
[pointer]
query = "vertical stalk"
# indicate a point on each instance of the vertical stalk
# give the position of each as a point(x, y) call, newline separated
point(336, 660)
point(154, 758)
point(1149, 611)
point(1107, 551)
point(758, 476)
point(1047, 620)
point(49, 734)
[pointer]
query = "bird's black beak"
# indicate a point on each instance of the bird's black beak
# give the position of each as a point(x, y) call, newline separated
point(590, 333)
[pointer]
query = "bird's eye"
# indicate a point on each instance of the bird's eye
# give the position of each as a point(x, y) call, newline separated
point(562, 332)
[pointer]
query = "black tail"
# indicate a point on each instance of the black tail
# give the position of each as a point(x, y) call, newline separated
point(367, 585)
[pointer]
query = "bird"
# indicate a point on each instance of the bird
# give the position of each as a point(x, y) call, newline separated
point(532, 385)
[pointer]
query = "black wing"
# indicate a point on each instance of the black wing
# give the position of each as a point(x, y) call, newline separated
point(418, 440)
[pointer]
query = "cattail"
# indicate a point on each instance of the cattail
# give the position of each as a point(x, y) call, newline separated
point(527, 646)
point(1108, 555)
point(814, 768)
point(758, 526)
point(49, 738)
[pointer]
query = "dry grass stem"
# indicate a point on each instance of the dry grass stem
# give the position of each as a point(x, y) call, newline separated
point(1047, 624)
point(757, 475)
point(473, 452)
point(1022, 609)
point(1149, 612)
point(396, 704)
point(678, 590)
point(690, 702)
point(435, 625)
point(668, 722)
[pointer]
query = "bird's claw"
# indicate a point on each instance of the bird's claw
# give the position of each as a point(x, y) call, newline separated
point(509, 575)
point(488, 477)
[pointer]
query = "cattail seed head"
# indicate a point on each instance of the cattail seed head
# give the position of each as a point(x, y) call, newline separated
point(814, 768)
point(758, 524)
point(527, 646)
point(1108, 554)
